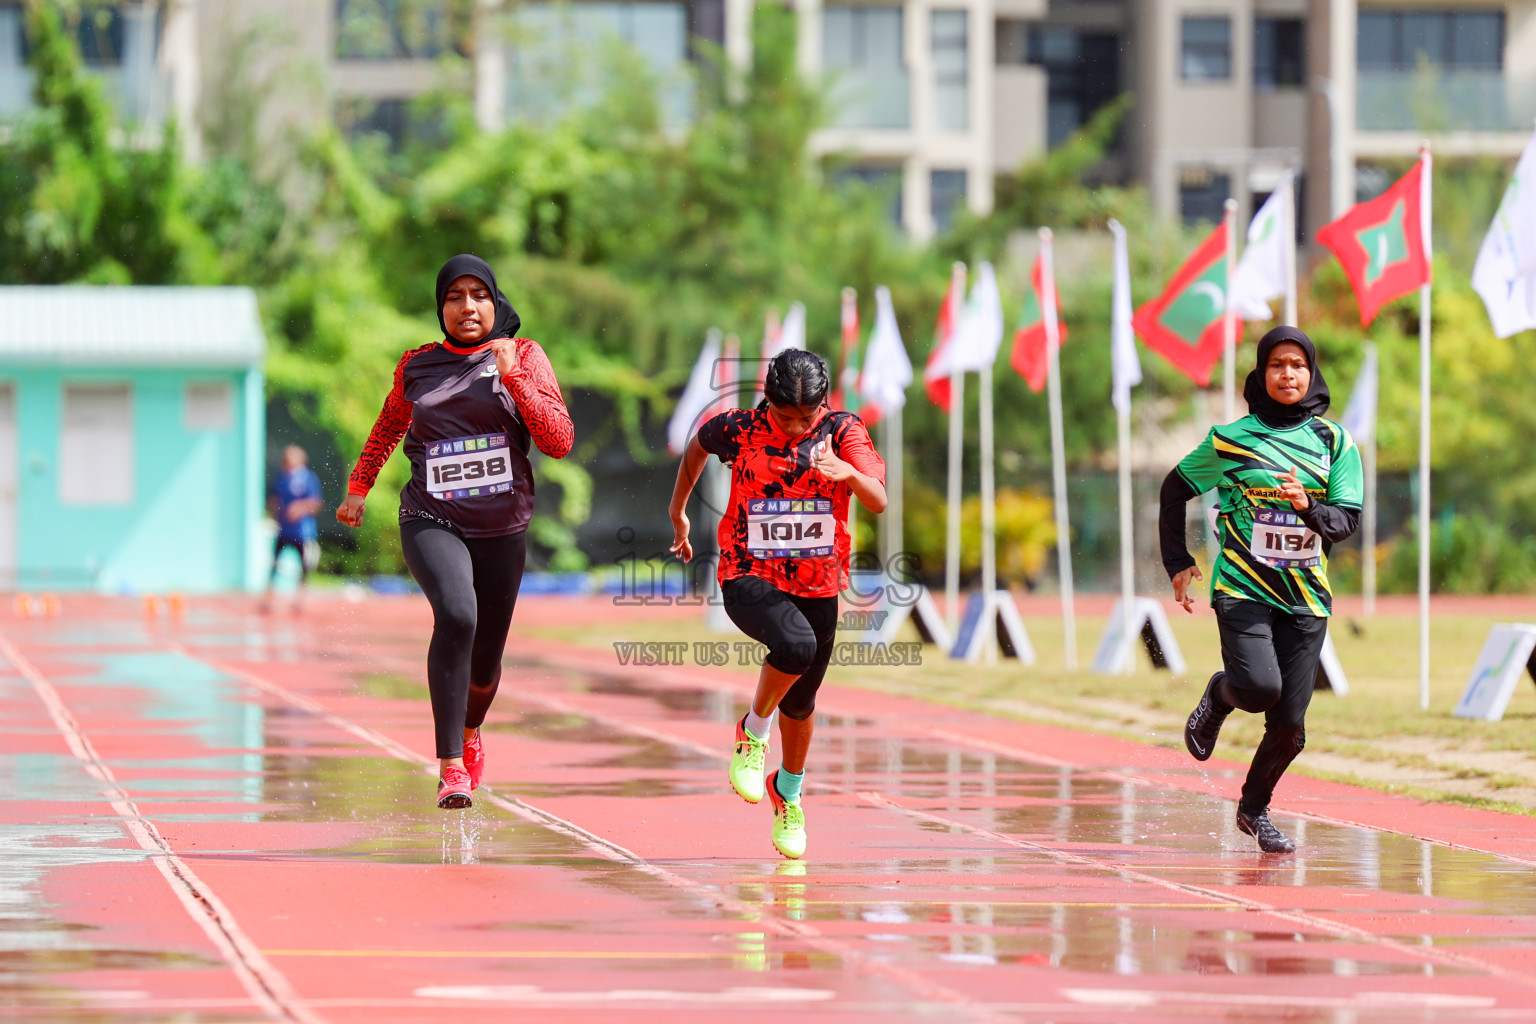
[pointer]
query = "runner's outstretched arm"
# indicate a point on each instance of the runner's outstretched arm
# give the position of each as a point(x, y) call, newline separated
point(1181, 567)
point(694, 457)
point(537, 394)
point(393, 421)
point(1333, 523)
point(1175, 495)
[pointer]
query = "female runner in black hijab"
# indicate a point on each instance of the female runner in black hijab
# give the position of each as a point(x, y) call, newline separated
point(468, 408)
point(1289, 484)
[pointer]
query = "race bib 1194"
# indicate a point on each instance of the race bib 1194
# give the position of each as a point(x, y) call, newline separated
point(790, 527)
point(467, 467)
point(1282, 541)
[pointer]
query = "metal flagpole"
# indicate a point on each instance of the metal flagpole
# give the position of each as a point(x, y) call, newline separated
point(1368, 527)
point(893, 460)
point(1424, 334)
point(1229, 321)
point(988, 527)
point(1290, 252)
point(1058, 448)
point(1127, 549)
point(956, 453)
point(717, 478)
point(846, 386)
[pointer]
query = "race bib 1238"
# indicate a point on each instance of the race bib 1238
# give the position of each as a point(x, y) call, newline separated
point(467, 467)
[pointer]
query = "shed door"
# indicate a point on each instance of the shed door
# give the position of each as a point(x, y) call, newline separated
point(8, 462)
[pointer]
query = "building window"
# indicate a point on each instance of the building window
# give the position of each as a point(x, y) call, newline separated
point(1279, 53)
point(1082, 74)
point(561, 55)
point(209, 406)
point(882, 180)
point(399, 122)
point(96, 446)
point(15, 82)
point(1458, 40)
point(401, 29)
point(1203, 194)
point(863, 52)
point(1206, 50)
point(946, 197)
point(951, 70)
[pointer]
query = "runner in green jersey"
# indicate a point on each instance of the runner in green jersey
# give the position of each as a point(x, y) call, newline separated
point(1289, 484)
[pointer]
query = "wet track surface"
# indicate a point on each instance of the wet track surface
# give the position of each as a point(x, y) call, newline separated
point(230, 819)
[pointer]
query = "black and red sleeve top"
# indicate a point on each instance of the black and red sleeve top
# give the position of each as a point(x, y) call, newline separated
point(784, 522)
point(467, 432)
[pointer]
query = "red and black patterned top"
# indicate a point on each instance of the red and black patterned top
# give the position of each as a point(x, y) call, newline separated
point(467, 432)
point(785, 522)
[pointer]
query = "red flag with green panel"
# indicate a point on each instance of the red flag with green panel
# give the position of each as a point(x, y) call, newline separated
point(1185, 322)
point(1380, 242)
point(1030, 356)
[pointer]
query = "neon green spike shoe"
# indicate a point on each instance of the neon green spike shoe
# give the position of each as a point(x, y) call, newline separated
point(788, 822)
point(748, 762)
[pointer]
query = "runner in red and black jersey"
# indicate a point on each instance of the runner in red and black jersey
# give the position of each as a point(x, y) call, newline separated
point(784, 558)
point(468, 408)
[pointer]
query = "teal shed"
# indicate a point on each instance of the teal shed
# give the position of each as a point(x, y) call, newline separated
point(132, 439)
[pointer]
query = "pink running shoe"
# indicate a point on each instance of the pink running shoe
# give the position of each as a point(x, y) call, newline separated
point(474, 759)
point(453, 789)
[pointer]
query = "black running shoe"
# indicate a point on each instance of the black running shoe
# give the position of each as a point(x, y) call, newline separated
point(1204, 723)
point(1271, 839)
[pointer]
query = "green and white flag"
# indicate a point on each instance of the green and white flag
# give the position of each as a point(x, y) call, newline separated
point(1261, 275)
point(1505, 273)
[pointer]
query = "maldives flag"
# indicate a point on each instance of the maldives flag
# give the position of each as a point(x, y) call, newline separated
point(1380, 242)
point(936, 370)
point(1184, 323)
point(1030, 356)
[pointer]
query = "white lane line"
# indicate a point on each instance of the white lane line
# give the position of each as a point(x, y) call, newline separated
point(796, 930)
point(1299, 918)
point(553, 659)
point(1018, 754)
point(266, 985)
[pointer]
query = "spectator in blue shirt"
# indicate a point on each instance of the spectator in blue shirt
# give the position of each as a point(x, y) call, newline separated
point(294, 500)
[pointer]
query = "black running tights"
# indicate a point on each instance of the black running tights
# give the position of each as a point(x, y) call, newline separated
point(472, 586)
point(1270, 657)
point(798, 632)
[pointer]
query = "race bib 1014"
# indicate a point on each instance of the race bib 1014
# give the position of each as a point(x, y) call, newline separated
point(790, 528)
point(467, 467)
point(1282, 541)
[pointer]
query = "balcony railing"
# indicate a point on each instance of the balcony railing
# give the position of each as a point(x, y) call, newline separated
point(1433, 100)
point(864, 98)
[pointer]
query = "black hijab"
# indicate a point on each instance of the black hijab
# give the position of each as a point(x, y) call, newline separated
point(1278, 414)
point(507, 320)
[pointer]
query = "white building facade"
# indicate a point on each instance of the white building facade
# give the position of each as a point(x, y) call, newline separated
point(928, 99)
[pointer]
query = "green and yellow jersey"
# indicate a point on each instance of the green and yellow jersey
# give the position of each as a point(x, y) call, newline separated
point(1268, 553)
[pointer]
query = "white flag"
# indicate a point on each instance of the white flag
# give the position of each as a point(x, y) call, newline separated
point(980, 333)
point(1505, 273)
point(698, 396)
point(791, 333)
point(887, 370)
point(1122, 337)
point(1360, 418)
point(1260, 275)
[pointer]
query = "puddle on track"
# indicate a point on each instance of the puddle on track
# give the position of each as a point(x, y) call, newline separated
point(1115, 880)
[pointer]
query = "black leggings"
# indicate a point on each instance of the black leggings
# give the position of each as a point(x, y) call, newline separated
point(1270, 657)
point(472, 585)
point(798, 632)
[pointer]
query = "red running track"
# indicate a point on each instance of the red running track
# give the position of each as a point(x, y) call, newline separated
point(230, 818)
